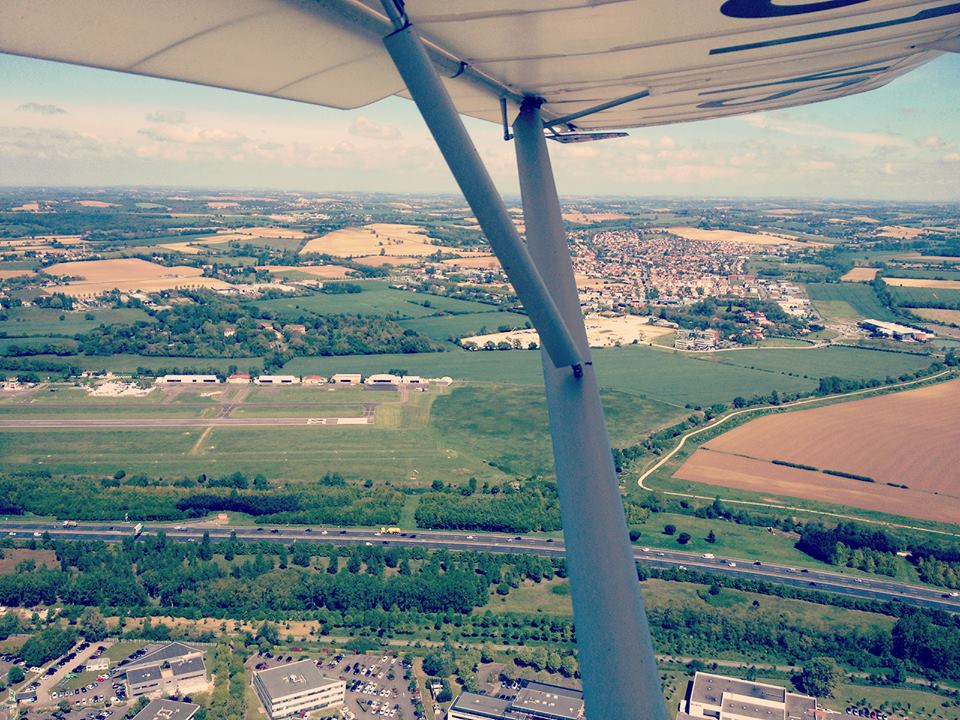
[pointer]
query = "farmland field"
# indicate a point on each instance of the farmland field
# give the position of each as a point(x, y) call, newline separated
point(692, 233)
point(847, 302)
point(382, 238)
point(46, 322)
point(376, 299)
point(913, 282)
point(925, 297)
point(943, 316)
point(907, 438)
point(860, 274)
point(675, 378)
point(832, 360)
point(128, 274)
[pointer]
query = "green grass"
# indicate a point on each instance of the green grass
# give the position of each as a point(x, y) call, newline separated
point(376, 299)
point(34, 321)
point(924, 297)
point(847, 302)
point(935, 274)
point(442, 327)
point(671, 377)
point(130, 363)
point(823, 362)
point(507, 426)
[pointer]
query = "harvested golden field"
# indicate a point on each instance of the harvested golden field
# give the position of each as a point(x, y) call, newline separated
point(907, 438)
point(378, 239)
point(900, 232)
point(938, 315)
point(12, 273)
point(194, 247)
point(481, 261)
point(128, 275)
point(582, 218)
point(923, 283)
point(95, 204)
point(733, 236)
point(330, 272)
point(14, 556)
point(861, 274)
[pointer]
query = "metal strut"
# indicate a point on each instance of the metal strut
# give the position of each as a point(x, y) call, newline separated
point(617, 663)
point(431, 97)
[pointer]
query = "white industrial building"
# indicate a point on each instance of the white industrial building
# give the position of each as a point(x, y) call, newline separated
point(717, 697)
point(895, 330)
point(382, 379)
point(277, 380)
point(188, 380)
point(346, 379)
point(296, 688)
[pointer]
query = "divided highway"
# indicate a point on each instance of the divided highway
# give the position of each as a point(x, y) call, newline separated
point(821, 580)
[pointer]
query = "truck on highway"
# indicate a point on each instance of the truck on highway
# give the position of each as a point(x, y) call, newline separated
point(390, 530)
point(69, 523)
point(137, 529)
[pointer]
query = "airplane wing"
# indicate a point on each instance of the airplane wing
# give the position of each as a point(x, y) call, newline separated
point(627, 63)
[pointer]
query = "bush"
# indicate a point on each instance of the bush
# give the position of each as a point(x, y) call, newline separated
point(683, 538)
point(669, 529)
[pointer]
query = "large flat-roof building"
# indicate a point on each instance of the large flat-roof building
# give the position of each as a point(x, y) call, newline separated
point(169, 670)
point(188, 380)
point(723, 698)
point(534, 701)
point(167, 710)
point(895, 330)
point(296, 687)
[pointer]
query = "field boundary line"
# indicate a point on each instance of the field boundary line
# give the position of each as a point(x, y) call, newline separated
point(796, 403)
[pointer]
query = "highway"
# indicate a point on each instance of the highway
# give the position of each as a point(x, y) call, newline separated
point(870, 588)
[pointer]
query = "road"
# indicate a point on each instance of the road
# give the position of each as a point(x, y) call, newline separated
point(868, 588)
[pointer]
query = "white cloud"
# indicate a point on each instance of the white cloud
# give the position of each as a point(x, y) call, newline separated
point(364, 127)
point(888, 169)
point(952, 157)
point(793, 127)
point(818, 165)
point(167, 117)
point(42, 109)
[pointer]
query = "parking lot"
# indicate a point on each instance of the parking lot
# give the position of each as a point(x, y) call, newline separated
point(376, 684)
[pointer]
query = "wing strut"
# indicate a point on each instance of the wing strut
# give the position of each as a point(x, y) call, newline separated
point(617, 663)
point(619, 670)
point(431, 97)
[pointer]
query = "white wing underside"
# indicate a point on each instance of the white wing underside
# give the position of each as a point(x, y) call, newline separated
point(690, 59)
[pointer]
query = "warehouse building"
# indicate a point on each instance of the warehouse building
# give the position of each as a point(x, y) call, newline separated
point(534, 701)
point(895, 330)
point(723, 698)
point(277, 380)
point(296, 688)
point(188, 380)
point(382, 379)
point(172, 669)
point(346, 379)
point(167, 710)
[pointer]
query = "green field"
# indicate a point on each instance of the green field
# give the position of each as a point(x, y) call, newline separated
point(675, 378)
point(35, 321)
point(376, 299)
point(823, 362)
point(924, 297)
point(443, 327)
point(507, 426)
point(847, 302)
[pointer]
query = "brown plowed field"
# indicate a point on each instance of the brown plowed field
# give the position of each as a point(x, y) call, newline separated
point(910, 438)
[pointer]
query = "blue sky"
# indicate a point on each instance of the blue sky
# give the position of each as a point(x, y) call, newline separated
point(67, 125)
